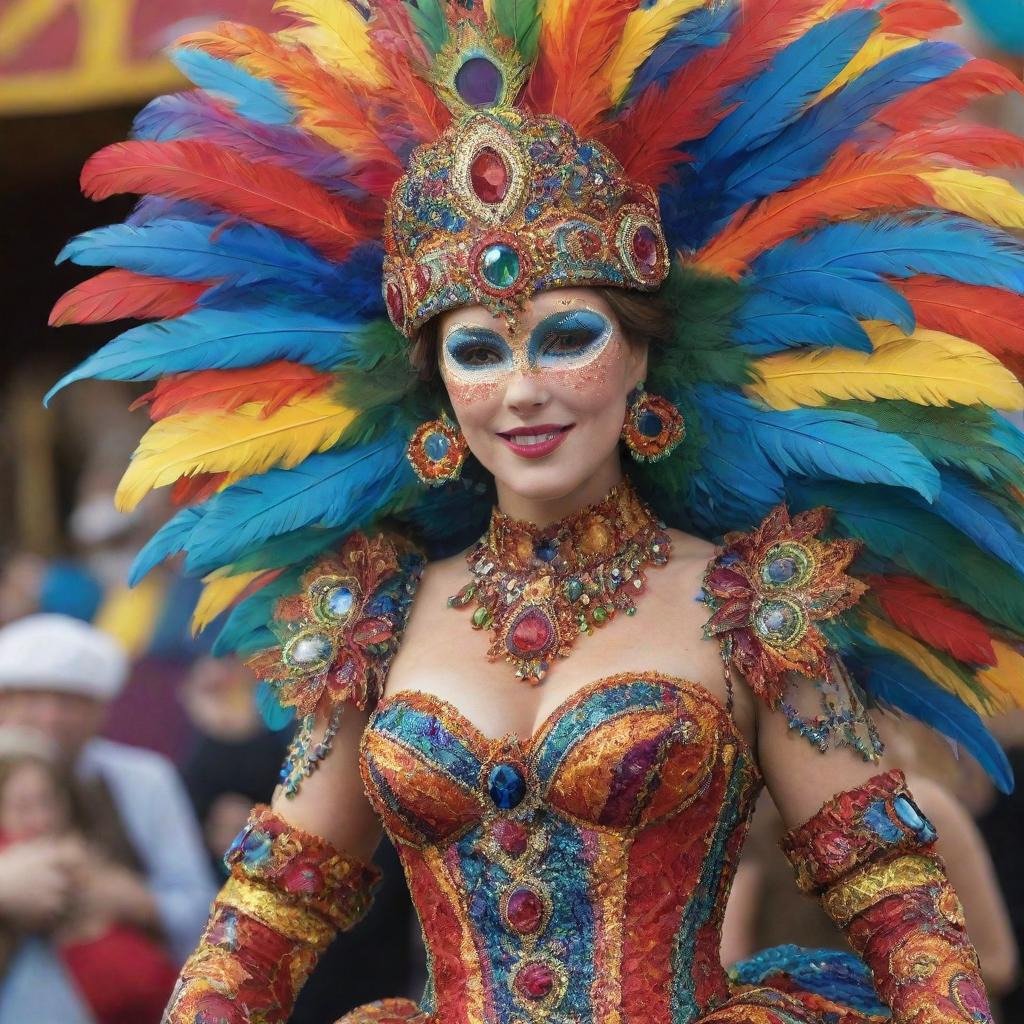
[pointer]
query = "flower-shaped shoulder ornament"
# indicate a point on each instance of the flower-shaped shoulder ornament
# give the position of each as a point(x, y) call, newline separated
point(767, 590)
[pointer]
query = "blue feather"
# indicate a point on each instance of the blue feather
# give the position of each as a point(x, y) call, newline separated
point(209, 339)
point(804, 148)
point(150, 208)
point(820, 443)
point(340, 489)
point(191, 251)
point(894, 681)
point(252, 97)
point(699, 30)
point(169, 540)
point(771, 100)
point(245, 630)
point(769, 322)
point(952, 247)
point(274, 716)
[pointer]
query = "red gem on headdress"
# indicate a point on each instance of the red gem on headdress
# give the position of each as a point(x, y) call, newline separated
point(532, 633)
point(535, 980)
point(645, 249)
point(421, 277)
point(524, 911)
point(396, 304)
point(512, 837)
point(590, 244)
point(489, 176)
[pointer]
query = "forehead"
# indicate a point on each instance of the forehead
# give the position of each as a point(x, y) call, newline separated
point(541, 306)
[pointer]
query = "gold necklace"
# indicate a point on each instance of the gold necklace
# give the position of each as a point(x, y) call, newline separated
point(538, 589)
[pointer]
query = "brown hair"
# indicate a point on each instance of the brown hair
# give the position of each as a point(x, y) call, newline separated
point(62, 779)
point(642, 316)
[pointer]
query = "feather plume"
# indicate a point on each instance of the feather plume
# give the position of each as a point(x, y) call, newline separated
point(219, 594)
point(937, 102)
point(879, 46)
point(929, 372)
point(644, 29)
point(990, 317)
point(920, 18)
point(335, 490)
point(202, 171)
point(191, 490)
point(925, 613)
point(272, 386)
point(985, 198)
point(428, 16)
point(168, 541)
point(252, 97)
point(245, 630)
point(123, 295)
point(647, 137)
point(894, 682)
point(570, 79)
point(1006, 677)
point(519, 20)
point(241, 443)
point(935, 667)
point(967, 145)
point(338, 35)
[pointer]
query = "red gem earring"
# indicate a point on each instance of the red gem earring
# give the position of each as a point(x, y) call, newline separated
point(653, 427)
point(437, 451)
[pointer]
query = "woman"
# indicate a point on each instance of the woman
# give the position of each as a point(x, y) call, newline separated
point(747, 208)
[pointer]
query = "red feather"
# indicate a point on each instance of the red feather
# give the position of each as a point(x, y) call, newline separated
point(568, 80)
point(918, 18)
point(924, 612)
point(186, 169)
point(852, 184)
point(190, 490)
point(990, 317)
point(277, 384)
point(966, 145)
point(392, 31)
point(646, 137)
point(942, 100)
point(124, 295)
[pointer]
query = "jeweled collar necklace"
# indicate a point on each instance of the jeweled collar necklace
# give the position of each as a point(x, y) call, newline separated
point(538, 589)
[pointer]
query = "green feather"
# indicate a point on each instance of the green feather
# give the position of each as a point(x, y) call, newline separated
point(429, 19)
point(519, 20)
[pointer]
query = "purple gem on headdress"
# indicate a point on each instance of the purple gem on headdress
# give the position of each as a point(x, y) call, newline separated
point(645, 249)
point(479, 82)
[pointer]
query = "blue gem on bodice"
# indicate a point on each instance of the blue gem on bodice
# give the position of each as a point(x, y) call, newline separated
point(506, 786)
point(908, 813)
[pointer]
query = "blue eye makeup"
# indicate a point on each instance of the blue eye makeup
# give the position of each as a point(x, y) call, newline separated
point(569, 339)
point(475, 348)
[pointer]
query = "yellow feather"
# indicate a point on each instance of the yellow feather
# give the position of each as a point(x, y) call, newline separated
point(241, 443)
point(644, 29)
point(129, 614)
point(218, 594)
point(337, 34)
point(929, 368)
point(921, 657)
point(878, 46)
point(1005, 679)
point(988, 199)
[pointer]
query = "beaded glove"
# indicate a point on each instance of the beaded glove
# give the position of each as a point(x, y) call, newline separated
point(288, 894)
point(867, 855)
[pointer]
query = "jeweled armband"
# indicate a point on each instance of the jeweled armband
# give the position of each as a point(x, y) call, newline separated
point(867, 854)
point(288, 894)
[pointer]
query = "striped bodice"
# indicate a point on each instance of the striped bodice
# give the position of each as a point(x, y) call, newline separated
point(579, 876)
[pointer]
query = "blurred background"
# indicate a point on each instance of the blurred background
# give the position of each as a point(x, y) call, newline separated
point(116, 800)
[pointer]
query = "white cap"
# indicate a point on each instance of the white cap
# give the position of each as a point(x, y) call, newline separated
point(57, 652)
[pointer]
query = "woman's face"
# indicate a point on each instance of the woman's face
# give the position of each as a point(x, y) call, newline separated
point(542, 405)
point(31, 805)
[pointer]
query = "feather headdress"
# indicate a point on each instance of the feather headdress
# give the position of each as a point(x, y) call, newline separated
point(847, 296)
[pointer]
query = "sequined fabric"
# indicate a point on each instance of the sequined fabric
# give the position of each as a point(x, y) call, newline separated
point(580, 875)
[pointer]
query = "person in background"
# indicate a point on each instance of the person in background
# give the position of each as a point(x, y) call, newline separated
point(57, 676)
point(121, 971)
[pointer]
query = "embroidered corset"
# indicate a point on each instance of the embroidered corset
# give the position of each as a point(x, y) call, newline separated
point(579, 876)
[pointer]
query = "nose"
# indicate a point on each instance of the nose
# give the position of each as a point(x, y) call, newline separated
point(526, 392)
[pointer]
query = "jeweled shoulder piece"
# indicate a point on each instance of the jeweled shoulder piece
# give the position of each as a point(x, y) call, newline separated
point(767, 590)
point(539, 589)
point(338, 636)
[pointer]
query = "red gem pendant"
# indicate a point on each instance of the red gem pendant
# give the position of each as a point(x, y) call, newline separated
point(532, 633)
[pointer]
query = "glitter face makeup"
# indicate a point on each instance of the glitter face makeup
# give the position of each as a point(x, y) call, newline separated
point(541, 405)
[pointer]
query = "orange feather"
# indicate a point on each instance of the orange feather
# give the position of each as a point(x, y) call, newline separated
point(276, 384)
point(990, 317)
point(937, 102)
point(191, 490)
point(918, 18)
point(125, 295)
point(922, 611)
point(646, 137)
point(187, 169)
point(577, 38)
point(967, 145)
point(852, 184)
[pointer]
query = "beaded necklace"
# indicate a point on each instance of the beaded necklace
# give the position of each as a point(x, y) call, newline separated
point(538, 589)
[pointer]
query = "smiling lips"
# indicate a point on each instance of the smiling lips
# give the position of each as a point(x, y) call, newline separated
point(535, 442)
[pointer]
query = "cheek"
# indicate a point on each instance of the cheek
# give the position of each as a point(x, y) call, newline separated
point(465, 394)
point(599, 385)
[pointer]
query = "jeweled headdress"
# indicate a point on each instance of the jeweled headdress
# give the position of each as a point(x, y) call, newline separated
point(846, 299)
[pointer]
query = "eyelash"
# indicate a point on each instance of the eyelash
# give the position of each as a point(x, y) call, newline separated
point(463, 352)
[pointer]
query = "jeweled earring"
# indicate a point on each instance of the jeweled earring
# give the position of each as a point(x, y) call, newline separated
point(437, 451)
point(653, 428)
